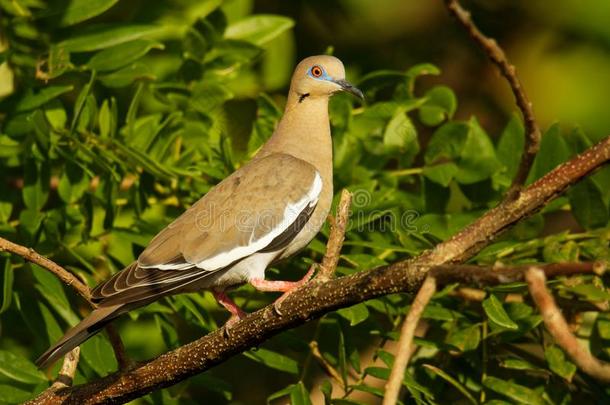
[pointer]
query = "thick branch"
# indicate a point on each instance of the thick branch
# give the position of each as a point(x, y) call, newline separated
point(317, 298)
point(559, 329)
point(407, 332)
point(498, 57)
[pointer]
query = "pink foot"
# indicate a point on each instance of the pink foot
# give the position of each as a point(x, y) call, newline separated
point(236, 312)
point(287, 287)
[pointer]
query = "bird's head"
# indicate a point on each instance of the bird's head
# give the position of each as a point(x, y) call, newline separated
point(321, 76)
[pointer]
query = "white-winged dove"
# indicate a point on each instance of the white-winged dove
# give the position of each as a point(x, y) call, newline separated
point(265, 211)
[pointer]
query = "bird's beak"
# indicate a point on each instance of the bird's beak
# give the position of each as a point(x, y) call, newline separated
point(348, 87)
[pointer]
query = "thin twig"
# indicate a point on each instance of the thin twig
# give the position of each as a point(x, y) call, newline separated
point(498, 57)
point(32, 256)
point(65, 378)
point(336, 238)
point(405, 343)
point(559, 329)
point(330, 370)
point(481, 276)
point(120, 354)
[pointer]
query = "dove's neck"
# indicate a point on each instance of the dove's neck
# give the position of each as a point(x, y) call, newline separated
point(304, 132)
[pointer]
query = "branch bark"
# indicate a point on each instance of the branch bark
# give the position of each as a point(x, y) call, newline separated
point(559, 329)
point(32, 256)
point(336, 237)
point(407, 332)
point(317, 298)
point(498, 57)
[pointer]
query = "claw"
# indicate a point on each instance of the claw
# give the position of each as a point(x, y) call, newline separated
point(288, 287)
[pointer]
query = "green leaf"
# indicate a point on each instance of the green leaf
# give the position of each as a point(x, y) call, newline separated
point(588, 205)
point(107, 36)
point(19, 369)
point(478, 157)
point(519, 364)
point(7, 285)
point(281, 393)
point(52, 290)
point(259, 29)
point(496, 313)
point(327, 390)
point(553, 151)
point(273, 360)
point(127, 75)
point(73, 183)
point(56, 115)
point(465, 339)
point(122, 55)
point(558, 363)
point(299, 395)
point(267, 116)
point(441, 173)
point(54, 331)
point(400, 134)
point(79, 105)
point(445, 376)
point(35, 100)
point(440, 105)
point(355, 314)
point(516, 392)
point(76, 11)
point(13, 395)
point(35, 185)
point(423, 69)
point(509, 151)
point(98, 353)
point(9, 147)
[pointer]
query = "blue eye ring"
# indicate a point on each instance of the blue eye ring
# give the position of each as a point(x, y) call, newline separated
point(317, 72)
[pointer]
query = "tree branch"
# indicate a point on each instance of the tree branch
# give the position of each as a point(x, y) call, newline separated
point(64, 379)
point(317, 298)
point(336, 237)
point(498, 57)
point(32, 256)
point(425, 293)
point(559, 329)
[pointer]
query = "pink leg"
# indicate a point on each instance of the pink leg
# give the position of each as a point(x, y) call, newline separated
point(236, 312)
point(286, 287)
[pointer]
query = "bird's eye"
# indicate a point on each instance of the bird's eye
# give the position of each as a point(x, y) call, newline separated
point(316, 71)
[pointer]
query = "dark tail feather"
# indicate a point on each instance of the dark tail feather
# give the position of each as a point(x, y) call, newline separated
point(78, 334)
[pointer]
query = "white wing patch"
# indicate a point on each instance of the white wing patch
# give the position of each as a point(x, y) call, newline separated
point(291, 212)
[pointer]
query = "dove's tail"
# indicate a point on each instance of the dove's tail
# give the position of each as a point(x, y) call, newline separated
point(81, 332)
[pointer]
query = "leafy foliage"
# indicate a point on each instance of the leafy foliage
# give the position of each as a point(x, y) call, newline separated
point(111, 129)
